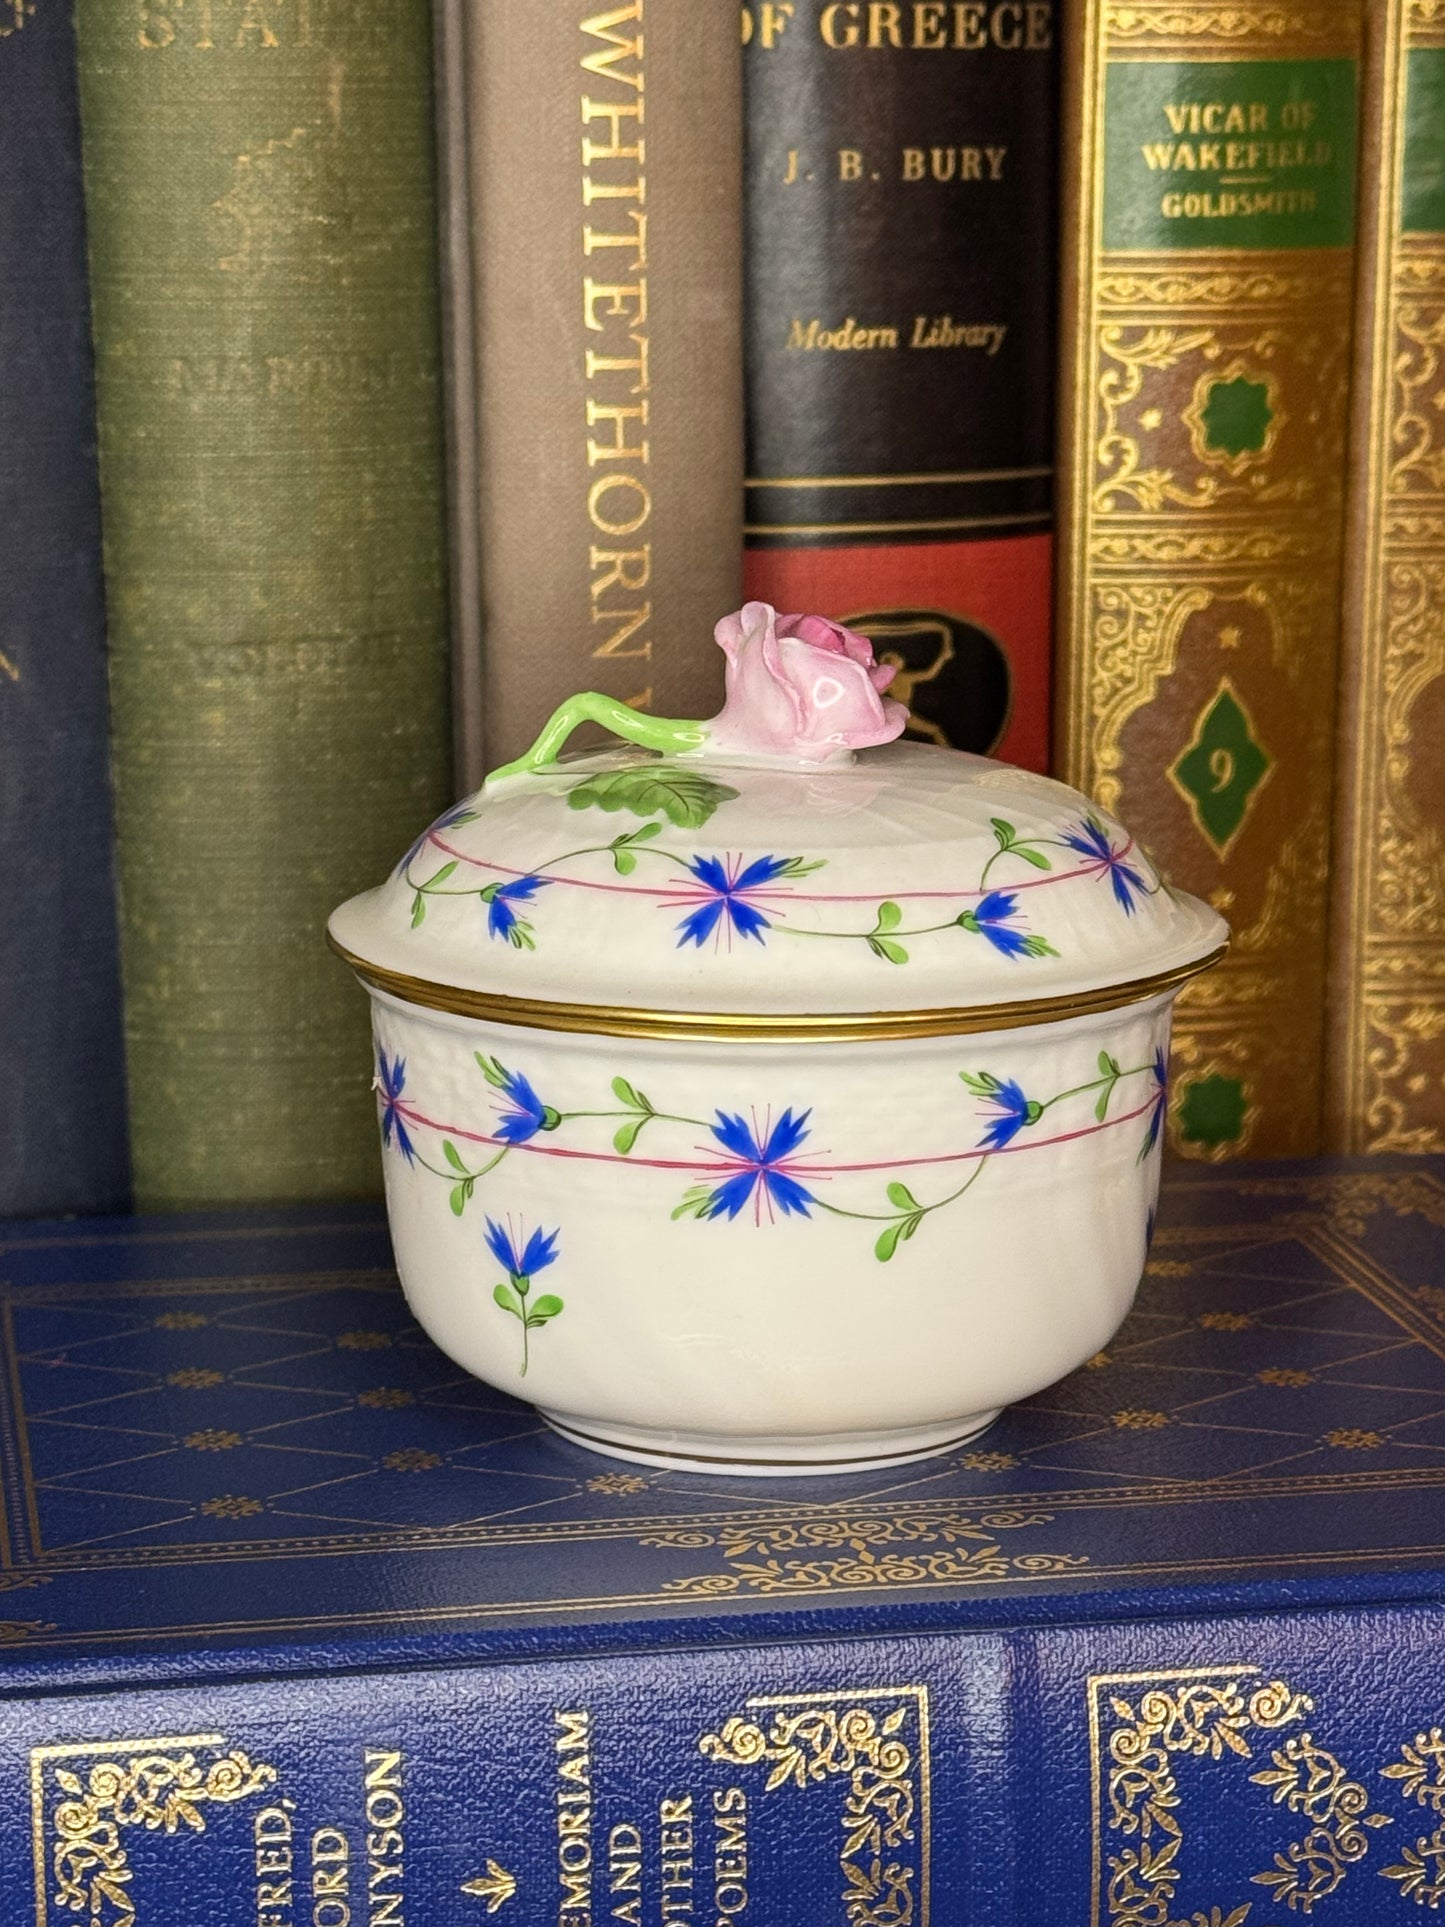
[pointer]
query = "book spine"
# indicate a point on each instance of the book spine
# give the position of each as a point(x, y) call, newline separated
point(607, 262)
point(460, 389)
point(1386, 1048)
point(263, 273)
point(1215, 1771)
point(1206, 358)
point(818, 1785)
point(901, 235)
point(63, 1120)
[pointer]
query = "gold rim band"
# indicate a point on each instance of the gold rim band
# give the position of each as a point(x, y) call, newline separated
point(610, 1020)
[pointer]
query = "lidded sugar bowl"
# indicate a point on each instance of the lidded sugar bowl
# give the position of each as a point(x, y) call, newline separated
point(768, 1094)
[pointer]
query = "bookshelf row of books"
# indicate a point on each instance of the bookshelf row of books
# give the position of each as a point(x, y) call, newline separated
point(376, 376)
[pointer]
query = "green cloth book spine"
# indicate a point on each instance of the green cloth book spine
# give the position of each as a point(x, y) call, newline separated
point(260, 185)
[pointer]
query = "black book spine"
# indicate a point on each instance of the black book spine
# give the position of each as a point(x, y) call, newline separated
point(63, 1117)
point(901, 231)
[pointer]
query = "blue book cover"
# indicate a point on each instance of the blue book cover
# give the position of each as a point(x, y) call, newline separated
point(304, 1625)
point(62, 1122)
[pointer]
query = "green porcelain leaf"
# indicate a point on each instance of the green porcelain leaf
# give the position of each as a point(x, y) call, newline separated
point(685, 797)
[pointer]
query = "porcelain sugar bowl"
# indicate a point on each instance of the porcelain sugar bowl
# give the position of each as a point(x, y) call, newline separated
point(770, 1095)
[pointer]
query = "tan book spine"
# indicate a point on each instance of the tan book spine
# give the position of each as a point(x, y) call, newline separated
point(1206, 324)
point(1385, 1088)
point(605, 198)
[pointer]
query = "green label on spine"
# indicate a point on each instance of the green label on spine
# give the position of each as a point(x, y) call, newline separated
point(1422, 191)
point(1229, 154)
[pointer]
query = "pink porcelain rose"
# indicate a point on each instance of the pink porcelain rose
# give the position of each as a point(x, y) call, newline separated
point(800, 686)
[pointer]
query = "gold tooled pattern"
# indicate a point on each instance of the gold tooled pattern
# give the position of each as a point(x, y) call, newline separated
point(158, 1790)
point(1345, 1201)
point(883, 1758)
point(1311, 1782)
point(872, 1554)
point(1142, 1725)
point(1198, 289)
point(1387, 1057)
point(1186, 569)
point(1252, 30)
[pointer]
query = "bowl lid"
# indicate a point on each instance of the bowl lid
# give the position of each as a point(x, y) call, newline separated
point(729, 878)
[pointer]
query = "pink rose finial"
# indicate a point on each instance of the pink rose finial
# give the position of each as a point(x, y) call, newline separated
point(801, 688)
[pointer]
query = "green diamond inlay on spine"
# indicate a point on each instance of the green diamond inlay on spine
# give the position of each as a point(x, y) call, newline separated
point(1220, 773)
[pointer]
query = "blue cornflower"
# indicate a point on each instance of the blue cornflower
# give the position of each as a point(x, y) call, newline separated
point(502, 918)
point(530, 1114)
point(1013, 1111)
point(991, 918)
point(1090, 839)
point(458, 813)
point(539, 1251)
point(1159, 1070)
point(390, 1080)
point(760, 1163)
point(727, 888)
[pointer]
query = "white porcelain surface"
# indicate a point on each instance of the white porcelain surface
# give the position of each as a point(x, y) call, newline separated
point(811, 1323)
point(913, 878)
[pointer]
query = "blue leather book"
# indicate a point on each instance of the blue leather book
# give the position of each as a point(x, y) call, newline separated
point(62, 1118)
point(305, 1628)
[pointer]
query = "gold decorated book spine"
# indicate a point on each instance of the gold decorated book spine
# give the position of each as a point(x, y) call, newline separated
point(1207, 317)
point(1385, 1059)
point(261, 214)
point(606, 253)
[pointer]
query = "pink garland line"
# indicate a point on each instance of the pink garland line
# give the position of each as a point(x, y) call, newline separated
point(678, 895)
point(789, 1167)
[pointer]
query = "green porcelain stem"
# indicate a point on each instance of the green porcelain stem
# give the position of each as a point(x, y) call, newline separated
point(664, 733)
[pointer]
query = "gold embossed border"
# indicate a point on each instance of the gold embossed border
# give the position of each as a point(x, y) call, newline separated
point(811, 1739)
point(1386, 1057)
point(1141, 1724)
point(1167, 29)
point(78, 1826)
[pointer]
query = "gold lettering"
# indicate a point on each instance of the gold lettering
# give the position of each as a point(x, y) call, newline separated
point(970, 34)
point(770, 25)
point(620, 364)
point(156, 28)
point(629, 569)
point(833, 34)
point(256, 20)
point(629, 621)
point(928, 28)
point(603, 414)
point(603, 61)
point(1009, 37)
point(850, 164)
point(612, 302)
point(637, 240)
point(614, 113)
point(1039, 32)
point(383, 1769)
point(623, 521)
point(609, 191)
point(884, 27)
